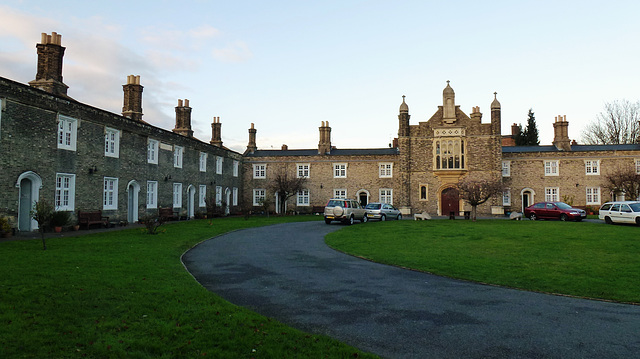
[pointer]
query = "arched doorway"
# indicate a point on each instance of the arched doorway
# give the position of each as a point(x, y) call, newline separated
point(227, 206)
point(133, 191)
point(29, 184)
point(450, 199)
point(528, 197)
point(191, 199)
point(363, 197)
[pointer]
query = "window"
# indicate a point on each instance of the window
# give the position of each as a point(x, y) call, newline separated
point(152, 194)
point(202, 196)
point(551, 168)
point(638, 166)
point(260, 171)
point(339, 170)
point(340, 193)
point(592, 167)
point(386, 195)
point(423, 192)
point(177, 156)
point(551, 194)
point(303, 197)
point(506, 168)
point(177, 195)
point(506, 197)
point(219, 165)
point(235, 196)
point(67, 133)
point(203, 162)
point(593, 195)
point(218, 195)
point(303, 170)
point(110, 193)
point(65, 191)
point(111, 142)
point(258, 196)
point(449, 154)
point(152, 151)
point(236, 165)
point(385, 170)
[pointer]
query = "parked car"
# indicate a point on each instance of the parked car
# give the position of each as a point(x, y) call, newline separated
point(382, 211)
point(554, 210)
point(620, 212)
point(344, 210)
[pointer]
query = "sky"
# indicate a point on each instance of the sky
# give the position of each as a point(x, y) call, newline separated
point(286, 66)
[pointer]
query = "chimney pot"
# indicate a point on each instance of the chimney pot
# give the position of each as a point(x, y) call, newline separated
point(186, 103)
point(179, 103)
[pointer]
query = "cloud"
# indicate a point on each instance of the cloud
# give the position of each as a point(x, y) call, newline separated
point(234, 53)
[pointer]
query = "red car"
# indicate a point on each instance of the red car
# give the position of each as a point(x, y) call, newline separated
point(554, 210)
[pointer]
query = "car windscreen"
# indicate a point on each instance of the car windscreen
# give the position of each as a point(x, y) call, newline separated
point(335, 203)
point(373, 206)
point(562, 205)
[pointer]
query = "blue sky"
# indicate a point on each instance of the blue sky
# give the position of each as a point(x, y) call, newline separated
point(288, 65)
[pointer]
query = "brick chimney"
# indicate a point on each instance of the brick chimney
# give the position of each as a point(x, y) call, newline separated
point(561, 133)
point(324, 145)
point(476, 114)
point(183, 119)
point(251, 147)
point(132, 106)
point(216, 132)
point(49, 75)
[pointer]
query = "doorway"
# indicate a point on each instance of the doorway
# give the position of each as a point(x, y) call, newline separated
point(191, 199)
point(450, 199)
point(133, 191)
point(227, 206)
point(363, 197)
point(29, 184)
point(527, 196)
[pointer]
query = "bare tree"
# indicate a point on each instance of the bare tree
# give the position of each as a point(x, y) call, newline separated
point(286, 185)
point(623, 180)
point(618, 124)
point(477, 190)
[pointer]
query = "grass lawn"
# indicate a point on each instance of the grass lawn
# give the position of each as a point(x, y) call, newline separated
point(582, 259)
point(126, 294)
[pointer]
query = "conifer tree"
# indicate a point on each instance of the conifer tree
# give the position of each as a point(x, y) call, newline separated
point(531, 131)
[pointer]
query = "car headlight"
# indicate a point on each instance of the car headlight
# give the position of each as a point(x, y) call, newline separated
point(574, 212)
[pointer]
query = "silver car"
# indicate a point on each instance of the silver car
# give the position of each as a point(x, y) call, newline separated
point(344, 210)
point(382, 211)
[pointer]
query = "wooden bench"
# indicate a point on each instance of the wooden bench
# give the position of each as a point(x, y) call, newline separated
point(317, 209)
point(167, 214)
point(89, 218)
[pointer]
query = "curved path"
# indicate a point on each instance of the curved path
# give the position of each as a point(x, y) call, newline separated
point(287, 272)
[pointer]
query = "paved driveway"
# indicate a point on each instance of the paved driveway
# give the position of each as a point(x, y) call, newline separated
point(288, 273)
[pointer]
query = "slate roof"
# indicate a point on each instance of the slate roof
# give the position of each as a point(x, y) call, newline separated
point(574, 148)
point(334, 152)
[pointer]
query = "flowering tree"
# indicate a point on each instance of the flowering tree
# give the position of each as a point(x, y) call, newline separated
point(476, 191)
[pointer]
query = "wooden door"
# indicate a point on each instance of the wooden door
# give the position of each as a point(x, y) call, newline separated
point(450, 201)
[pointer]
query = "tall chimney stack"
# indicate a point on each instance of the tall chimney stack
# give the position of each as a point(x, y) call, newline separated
point(251, 147)
point(132, 105)
point(324, 145)
point(183, 119)
point(49, 75)
point(216, 132)
point(561, 133)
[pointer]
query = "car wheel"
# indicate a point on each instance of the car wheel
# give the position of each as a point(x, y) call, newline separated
point(399, 217)
point(608, 220)
point(383, 218)
point(327, 221)
point(563, 217)
point(638, 221)
point(364, 219)
point(351, 220)
point(533, 217)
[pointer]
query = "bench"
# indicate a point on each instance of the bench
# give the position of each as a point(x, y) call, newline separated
point(421, 216)
point(167, 214)
point(89, 218)
point(317, 209)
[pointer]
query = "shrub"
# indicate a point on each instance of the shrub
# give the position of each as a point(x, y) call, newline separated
point(60, 218)
point(5, 227)
point(152, 223)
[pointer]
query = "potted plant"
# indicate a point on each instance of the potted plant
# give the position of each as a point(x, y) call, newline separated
point(5, 228)
point(59, 219)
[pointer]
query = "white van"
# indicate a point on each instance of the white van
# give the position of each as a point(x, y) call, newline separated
point(620, 212)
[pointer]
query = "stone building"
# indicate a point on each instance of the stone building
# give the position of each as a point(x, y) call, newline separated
point(81, 158)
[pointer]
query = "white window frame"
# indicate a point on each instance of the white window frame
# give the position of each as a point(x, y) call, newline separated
point(340, 170)
point(637, 166)
point(259, 171)
point(178, 152)
point(219, 161)
point(303, 198)
point(340, 193)
point(385, 169)
point(152, 151)
point(552, 194)
point(592, 167)
point(506, 168)
point(551, 168)
point(592, 195)
point(236, 166)
point(152, 194)
point(303, 170)
point(65, 192)
point(67, 133)
point(202, 195)
point(218, 196)
point(506, 197)
point(203, 161)
point(111, 142)
point(177, 195)
point(258, 194)
point(235, 196)
point(110, 193)
point(386, 195)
